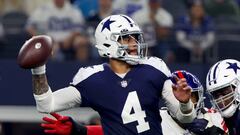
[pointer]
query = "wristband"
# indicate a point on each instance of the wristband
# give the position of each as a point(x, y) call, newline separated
point(186, 106)
point(39, 70)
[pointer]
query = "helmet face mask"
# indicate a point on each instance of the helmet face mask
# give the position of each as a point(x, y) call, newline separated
point(199, 97)
point(224, 98)
point(222, 84)
point(112, 35)
point(124, 47)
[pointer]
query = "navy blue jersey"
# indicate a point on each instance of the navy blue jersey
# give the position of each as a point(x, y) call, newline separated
point(128, 105)
point(233, 123)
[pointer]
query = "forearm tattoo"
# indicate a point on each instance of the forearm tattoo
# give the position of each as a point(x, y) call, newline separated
point(40, 84)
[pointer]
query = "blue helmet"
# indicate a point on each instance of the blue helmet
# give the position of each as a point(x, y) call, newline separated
point(194, 83)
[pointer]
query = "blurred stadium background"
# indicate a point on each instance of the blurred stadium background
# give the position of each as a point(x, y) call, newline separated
point(186, 34)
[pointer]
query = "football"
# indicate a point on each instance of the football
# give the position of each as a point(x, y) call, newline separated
point(35, 52)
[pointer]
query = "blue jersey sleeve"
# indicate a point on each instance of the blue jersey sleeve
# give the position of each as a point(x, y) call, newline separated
point(79, 81)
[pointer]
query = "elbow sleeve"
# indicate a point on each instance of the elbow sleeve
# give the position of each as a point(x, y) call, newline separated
point(188, 117)
point(44, 102)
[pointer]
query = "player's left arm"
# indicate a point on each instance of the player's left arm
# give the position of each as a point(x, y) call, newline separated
point(177, 98)
point(183, 111)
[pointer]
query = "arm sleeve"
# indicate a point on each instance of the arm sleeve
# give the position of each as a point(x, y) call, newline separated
point(175, 107)
point(61, 99)
point(172, 103)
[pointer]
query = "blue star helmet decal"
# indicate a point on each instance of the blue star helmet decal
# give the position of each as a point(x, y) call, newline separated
point(107, 24)
point(233, 66)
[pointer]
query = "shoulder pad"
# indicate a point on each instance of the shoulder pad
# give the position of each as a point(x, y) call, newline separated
point(85, 72)
point(158, 64)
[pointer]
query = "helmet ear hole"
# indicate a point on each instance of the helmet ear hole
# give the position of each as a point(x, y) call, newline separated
point(124, 53)
point(107, 45)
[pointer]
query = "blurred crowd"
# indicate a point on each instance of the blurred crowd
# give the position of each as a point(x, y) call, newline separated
point(196, 31)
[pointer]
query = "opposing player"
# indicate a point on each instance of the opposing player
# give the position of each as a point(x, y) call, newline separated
point(208, 121)
point(125, 91)
point(222, 84)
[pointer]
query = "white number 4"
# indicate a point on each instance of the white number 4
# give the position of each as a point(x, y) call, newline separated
point(132, 102)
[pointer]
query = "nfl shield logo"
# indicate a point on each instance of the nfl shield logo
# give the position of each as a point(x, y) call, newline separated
point(124, 83)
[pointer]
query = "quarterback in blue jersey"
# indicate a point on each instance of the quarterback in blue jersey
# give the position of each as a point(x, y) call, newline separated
point(126, 90)
point(222, 84)
point(208, 121)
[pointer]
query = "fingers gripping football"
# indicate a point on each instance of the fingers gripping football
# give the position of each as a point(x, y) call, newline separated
point(35, 52)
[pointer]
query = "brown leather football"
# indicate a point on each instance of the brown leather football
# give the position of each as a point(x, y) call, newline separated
point(35, 52)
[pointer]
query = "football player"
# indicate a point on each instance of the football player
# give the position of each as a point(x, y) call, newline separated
point(222, 84)
point(126, 90)
point(208, 121)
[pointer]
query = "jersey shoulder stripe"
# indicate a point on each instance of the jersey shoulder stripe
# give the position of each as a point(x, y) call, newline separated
point(158, 64)
point(210, 110)
point(85, 72)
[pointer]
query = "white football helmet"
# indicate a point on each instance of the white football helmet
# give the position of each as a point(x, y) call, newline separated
point(222, 83)
point(111, 30)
